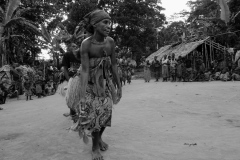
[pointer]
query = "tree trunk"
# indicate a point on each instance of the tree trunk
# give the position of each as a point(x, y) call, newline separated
point(3, 54)
point(2, 47)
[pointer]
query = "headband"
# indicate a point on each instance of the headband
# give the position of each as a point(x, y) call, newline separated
point(96, 16)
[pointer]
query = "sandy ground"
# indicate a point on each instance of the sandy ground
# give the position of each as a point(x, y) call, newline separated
point(153, 121)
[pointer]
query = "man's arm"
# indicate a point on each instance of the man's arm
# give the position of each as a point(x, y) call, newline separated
point(65, 64)
point(85, 69)
point(66, 73)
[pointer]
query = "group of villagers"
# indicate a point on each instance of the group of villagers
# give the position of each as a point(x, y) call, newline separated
point(38, 87)
point(95, 86)
point(125, 70)
point(169, 66)
point(34, 84)
point(181, 69)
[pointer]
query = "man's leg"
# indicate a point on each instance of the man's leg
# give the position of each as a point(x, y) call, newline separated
point(67, 114)
point(71, 113)
point(5, 97)
point(17, 94)
point(103, 146)
point(95, 146)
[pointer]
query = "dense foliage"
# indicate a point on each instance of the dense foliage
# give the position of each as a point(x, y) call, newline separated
point(204, 20)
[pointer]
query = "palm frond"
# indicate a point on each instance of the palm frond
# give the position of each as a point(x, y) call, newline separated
point(225, 12)
point(31, 26)
point(1, 14)
point(12, 6)
point(45, 34)
point(14, 21)
point(1, 10)
point(12, 36)
point(22, 21)
point(236, 15)
point(20, 12)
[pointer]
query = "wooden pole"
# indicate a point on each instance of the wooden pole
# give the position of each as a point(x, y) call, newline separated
point(211, 51)
point(213, 56)
point(206, 55)
point(44, 70)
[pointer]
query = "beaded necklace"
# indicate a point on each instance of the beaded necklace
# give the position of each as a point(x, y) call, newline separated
point(93, 41)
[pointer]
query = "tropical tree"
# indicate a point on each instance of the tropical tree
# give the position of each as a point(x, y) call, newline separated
point(135, 23)
point(11, 20)
point(217, 19)
point(173, 33)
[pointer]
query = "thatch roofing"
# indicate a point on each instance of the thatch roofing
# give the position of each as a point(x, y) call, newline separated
point(182, 49)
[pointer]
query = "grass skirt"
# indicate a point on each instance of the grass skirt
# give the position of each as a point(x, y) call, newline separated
point(73, 93)
point(62, 88)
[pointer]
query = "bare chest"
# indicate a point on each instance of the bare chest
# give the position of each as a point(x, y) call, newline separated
point(99, 50)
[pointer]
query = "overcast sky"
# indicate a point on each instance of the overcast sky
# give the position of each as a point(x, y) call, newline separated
point(174, 6)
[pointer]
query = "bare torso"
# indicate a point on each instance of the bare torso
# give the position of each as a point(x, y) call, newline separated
point(99, 50)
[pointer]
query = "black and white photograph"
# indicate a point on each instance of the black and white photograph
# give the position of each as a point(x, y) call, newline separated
point(119, 80)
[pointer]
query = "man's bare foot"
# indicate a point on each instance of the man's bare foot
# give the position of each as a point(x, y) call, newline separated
point(103, 146)
point(66, 114)
point(96, 155)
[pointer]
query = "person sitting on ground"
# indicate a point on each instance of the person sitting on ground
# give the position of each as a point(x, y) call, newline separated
point(224, 76)
point(235, 77)
point(208, 75)
point(216, 75)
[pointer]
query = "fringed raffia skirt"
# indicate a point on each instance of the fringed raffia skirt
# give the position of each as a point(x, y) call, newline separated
point(62, 88)
point(73, 93)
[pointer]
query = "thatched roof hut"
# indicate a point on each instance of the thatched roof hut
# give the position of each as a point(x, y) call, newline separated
point(185, 48)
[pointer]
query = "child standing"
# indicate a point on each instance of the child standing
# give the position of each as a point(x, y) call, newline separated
point(27, 85)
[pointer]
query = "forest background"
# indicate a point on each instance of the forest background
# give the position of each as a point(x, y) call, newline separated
point(139, 26)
